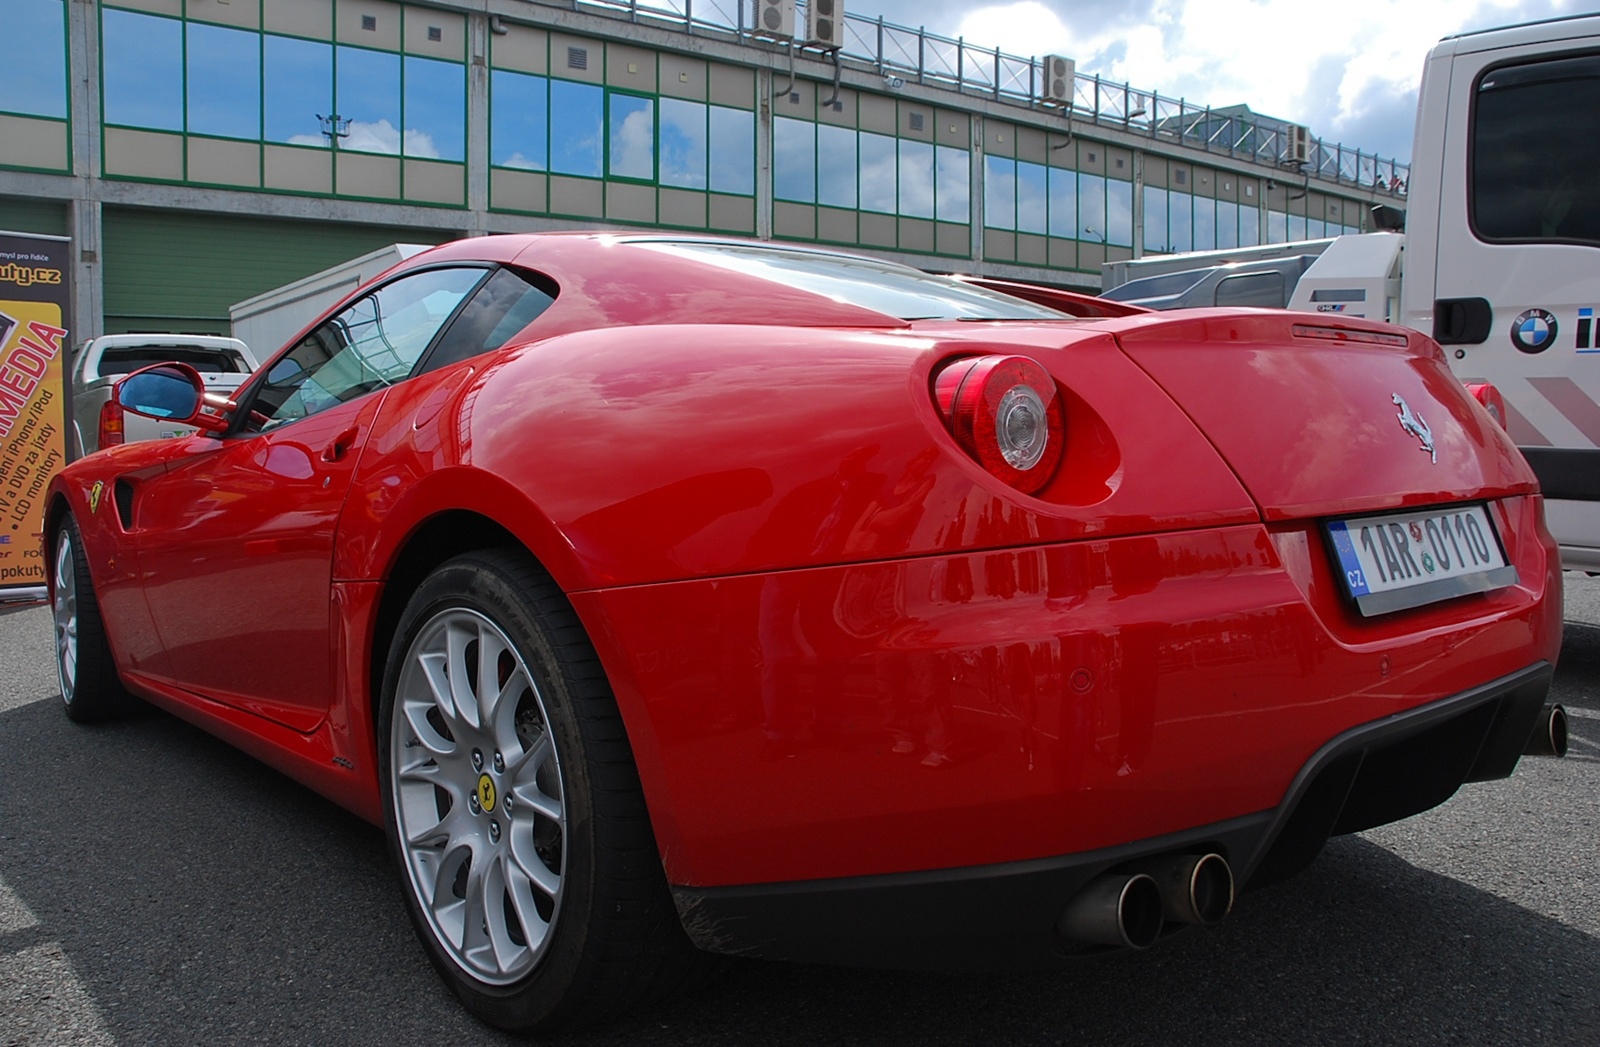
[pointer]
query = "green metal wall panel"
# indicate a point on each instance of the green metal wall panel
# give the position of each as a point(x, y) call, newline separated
point(173, 271)
point(47, 217)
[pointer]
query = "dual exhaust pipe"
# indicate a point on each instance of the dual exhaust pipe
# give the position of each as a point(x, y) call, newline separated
point(1128, 909)
point(1549, 736)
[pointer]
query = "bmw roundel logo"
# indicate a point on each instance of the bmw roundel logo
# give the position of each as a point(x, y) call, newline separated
point(1534, 330)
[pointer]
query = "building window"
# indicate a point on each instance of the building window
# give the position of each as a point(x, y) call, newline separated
point(842, 167)
point(1180, 221)
point(836, 166)
point(1033, 196)
point(224, 81)
point(1227, 224)
point(1205, 223)
point(794, 160)
point(143, 80)
point(1091, 208)
point(577, 119)
point(367, 94)
point(435, 109)
point(953, 185)
point(1119, 212)
point(631, 137)
point(916, 179)
point(1155, 221)
point(1063, 203)
point(518, 120)
point(1249, 225)
point(297, 88)
point(35, 81)
point(999, 192)
point(733, 151)
point(683, 143)
point(878, 177)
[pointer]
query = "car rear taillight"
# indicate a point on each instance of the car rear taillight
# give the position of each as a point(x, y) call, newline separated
point(110, 423)
point(1487, 395)
point(1006, 413)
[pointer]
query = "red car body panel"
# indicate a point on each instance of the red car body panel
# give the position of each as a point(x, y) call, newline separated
point(1048, 700)
point(831, 633)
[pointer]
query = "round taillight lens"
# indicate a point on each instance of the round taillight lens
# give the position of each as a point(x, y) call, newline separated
point(1487, 395)
point(1006, 413)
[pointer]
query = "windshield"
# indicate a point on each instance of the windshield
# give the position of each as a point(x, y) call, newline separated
point(883, 287)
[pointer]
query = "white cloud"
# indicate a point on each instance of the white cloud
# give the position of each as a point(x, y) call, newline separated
point(420, 144)
point(633, 146)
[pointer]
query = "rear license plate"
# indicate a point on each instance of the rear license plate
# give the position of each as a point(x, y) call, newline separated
point(1402, 560)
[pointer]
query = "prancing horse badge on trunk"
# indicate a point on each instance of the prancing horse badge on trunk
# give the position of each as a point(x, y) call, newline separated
point(1414, 424)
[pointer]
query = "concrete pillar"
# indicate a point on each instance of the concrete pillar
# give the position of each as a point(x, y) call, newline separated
point(88, 287)
point(477, 123)
point(764, 154)
point(1138, 203)
point(84, 209)
point(975, 190)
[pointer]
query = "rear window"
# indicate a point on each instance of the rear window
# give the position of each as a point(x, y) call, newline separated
point(115, 361)
point(883, 287)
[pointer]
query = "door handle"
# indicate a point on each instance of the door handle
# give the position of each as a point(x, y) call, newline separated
point(340, 446)
point(1462, 321)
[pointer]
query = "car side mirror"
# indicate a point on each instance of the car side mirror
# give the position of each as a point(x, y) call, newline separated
point(172, 392)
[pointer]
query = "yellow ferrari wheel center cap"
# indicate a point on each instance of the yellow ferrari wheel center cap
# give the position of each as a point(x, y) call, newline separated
point(486, 795)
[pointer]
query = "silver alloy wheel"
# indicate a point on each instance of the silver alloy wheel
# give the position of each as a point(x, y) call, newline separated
point(477, 795)
point(64, 602)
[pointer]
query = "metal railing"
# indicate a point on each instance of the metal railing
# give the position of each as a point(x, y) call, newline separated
point(900, 53)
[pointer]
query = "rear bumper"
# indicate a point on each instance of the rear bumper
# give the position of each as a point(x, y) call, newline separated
point(1015, 705)
point(1003, 916)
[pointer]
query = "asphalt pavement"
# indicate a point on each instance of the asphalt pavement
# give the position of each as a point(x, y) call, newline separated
point(158, 887)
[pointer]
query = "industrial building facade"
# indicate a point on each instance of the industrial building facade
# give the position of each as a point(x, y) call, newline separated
point(202, 151)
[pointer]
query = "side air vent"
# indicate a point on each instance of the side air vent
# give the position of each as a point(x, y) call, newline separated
point(122, 494)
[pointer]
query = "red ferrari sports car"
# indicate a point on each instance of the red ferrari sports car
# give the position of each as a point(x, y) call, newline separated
point(661, 594)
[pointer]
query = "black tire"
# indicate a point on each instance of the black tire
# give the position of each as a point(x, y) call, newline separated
point(90, 687)
point(608, 937)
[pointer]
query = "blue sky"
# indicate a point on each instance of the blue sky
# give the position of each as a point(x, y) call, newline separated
point(1349, 71)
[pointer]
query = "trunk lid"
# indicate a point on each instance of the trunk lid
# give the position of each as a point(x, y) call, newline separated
point(1319, 416)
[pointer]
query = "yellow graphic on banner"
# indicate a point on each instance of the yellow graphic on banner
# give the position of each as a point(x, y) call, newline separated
point(32, 443)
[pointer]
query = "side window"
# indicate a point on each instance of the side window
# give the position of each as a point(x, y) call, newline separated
point(1535, 161)
point(1264, 289)
point(506, 303)
point(374, 342)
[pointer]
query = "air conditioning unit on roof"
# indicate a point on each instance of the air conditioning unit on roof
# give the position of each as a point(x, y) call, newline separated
point(1298, 147)
point(1058, 75)
point(826, 24)
point(775, 18)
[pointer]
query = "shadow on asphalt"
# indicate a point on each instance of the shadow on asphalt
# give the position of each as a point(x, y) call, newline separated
point(201, 897)
point(1580, 661)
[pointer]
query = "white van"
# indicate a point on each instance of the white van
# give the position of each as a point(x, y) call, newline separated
point(1502, 259)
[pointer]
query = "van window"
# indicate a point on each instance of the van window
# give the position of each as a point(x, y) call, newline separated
point(1535, 159)
point(1263, 289)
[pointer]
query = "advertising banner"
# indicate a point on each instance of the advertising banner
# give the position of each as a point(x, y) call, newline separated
point(35, 302)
